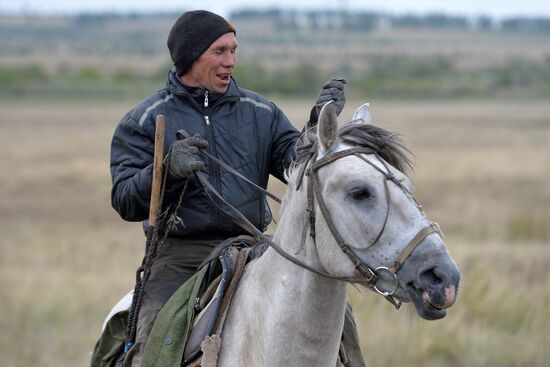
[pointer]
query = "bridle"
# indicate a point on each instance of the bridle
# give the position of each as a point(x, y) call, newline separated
point(369, 275)
point(366, 275)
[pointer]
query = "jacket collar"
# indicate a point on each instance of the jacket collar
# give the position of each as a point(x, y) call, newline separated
point(175, 86)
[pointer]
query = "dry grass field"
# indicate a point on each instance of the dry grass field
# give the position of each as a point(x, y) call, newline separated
point(482, 172)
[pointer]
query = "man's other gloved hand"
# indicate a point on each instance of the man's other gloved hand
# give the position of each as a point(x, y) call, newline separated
point(184, 156)
point(333, 90)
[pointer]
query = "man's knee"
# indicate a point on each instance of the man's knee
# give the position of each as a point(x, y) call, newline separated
point(350, 341)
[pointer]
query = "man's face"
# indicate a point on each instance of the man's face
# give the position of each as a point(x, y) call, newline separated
point(212, 70)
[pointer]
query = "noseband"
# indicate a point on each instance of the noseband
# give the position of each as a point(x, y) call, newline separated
point(363, 274)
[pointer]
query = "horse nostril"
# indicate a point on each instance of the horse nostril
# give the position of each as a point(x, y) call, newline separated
point(431, 277)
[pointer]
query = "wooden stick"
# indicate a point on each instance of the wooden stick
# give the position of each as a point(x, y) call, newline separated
point(144, 270)
point(157, 170)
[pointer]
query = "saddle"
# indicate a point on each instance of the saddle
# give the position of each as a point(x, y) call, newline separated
point(194, 314)
point(187, 330)
point(212, 307)
point(203, 344)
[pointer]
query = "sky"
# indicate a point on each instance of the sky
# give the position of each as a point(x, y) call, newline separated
point(492, 8)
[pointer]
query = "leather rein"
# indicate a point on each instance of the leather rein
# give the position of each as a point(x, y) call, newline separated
point(368, 276)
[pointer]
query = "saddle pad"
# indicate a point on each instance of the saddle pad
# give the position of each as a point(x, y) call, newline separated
point(173, 324)
point(205, 322)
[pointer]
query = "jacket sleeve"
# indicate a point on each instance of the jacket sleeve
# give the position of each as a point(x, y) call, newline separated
point(284, 138)
point(132, 150)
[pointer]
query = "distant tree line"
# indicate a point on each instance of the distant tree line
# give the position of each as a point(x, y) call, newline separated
point(386, 76)
point(380, 74)
point(407, 77)
point(366, 21)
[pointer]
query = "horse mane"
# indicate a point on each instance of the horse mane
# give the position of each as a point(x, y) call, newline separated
point(388, 145)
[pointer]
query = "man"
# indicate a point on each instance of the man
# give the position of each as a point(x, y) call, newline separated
point(244, 129)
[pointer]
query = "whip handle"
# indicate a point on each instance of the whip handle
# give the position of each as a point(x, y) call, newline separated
point(157, 170)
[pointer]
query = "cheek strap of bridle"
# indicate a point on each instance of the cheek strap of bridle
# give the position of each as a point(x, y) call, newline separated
point(314, 193)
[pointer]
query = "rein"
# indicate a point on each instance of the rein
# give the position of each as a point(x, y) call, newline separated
point(369, 277)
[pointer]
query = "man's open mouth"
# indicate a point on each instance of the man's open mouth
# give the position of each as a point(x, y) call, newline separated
point(224, 76)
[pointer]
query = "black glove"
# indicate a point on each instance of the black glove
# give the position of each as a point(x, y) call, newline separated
point(333, 90)
point(184, 156)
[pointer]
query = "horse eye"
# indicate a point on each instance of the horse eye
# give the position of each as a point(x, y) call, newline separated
point(359, 193)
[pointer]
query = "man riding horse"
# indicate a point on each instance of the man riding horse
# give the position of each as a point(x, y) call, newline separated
point(244, 129)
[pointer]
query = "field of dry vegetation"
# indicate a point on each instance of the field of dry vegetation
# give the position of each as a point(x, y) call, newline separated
point(481, 171)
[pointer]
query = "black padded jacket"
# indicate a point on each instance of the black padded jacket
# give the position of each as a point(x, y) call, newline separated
point(243, 129)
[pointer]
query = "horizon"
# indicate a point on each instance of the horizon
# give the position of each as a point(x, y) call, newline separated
point(468, 8)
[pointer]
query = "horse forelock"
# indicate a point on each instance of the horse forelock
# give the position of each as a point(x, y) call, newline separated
point(388, 145)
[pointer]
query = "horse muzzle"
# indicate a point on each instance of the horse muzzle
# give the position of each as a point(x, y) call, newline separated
point(434, 290)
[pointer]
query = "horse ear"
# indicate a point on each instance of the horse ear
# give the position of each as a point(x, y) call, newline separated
point(362, 114)
point(327, 128)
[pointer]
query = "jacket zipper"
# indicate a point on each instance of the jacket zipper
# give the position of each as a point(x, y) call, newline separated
point(206, 118)
point(214, 169)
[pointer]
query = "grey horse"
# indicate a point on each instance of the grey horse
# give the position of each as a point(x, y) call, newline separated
point(348, 215)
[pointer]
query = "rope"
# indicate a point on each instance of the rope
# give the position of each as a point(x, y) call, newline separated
point(152, 245)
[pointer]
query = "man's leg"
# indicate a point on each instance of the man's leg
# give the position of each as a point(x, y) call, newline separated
point(164, 280)
point(177, 261)
point(350, 341)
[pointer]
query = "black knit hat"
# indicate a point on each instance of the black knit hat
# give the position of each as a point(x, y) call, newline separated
point(192, 34)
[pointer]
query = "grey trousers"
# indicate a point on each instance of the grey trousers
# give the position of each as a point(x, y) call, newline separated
point(350, 341)
point(176, 262)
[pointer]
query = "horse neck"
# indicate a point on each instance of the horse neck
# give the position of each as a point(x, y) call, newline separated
point(292, 234)
point(317, 303)
point(302, 314)
point(295, 316)
point(314, 302)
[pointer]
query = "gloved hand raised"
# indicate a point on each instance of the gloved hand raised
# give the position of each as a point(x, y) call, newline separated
point(184, 156)
point(333, 90)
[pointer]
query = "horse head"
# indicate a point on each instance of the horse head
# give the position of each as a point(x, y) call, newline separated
point(367, 225)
